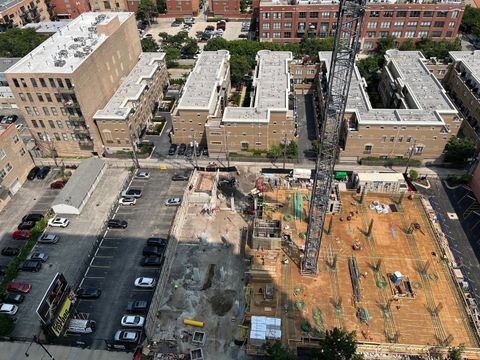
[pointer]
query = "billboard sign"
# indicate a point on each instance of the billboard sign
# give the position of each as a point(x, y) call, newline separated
point(59, 322)
point(53, 299)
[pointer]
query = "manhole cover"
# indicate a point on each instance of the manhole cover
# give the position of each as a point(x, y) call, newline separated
point(452, 216)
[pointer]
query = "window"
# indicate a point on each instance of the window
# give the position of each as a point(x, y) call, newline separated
point(277, 15)
point(24, 83)
point(367, 149)
point(22, 152)
point(35, 110)
point(374, 14)
point(454, 14)
point(15, 139)
point(398, 23)
point(266, 26)
point(425, 23)
point(451, 24)
point(58, 97)
point(371, 34)
point(428, 14)
point(74, 137)
point(30, 97)
point(409, 139)
point(383, 34)
point(436, 34)
point(325, 14)
point(409, 34)
point(64, 111)
point(8, 167)
point(54, 110)
point(57, 136)
point(60, 82)
point(287, 25)
point(51, 123)
point(65, 137)
point(42, 82)
point(288, 15)
point(419, 149)
point(59, 124)
point(385, 24)
point(400, 139)
point(388, 14)
point(414, 13)
point(45, 111)
point(276, 35)
point(277, 26)
point(449, 34)
point(244, 145)
point(42, 124)
point(397, 34)
point(3, 173)
point(34, 123)
point(423, 34)
point(441, 13)
point(372, 25)
point(52, 83)
point(301, 26)
point(287, 34)
point(2, 154)
point(40, 97)
point(302, 14)
point(28, 110)
point(34, 82)
point(439, 24)
point(48, 97)
point(368, 45)
point(21, 96)
point(266, 35)
point(266, 15)
point(441, 72)
point(15, 82)
point(384, 138)
point(412, 24)
point(313, 14)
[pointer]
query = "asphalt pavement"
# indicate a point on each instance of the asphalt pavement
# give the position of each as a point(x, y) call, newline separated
point(305, 127)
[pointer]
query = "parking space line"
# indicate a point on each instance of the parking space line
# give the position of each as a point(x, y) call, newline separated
point(100, 266)
point(108, 247)
point(94, 277)
point(103, 257)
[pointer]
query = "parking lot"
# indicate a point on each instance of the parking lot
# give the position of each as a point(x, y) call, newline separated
point(117, 260)
point(70, 254)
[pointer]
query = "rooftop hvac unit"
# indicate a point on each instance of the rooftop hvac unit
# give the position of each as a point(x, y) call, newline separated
point(59, 62)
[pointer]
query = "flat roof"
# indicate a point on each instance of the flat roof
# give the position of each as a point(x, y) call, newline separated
point(272, 87)
point(471, 61)
point(209, 72)
point(65, 50)
point(131, 88)
point(331, 2)
point(47, 27)
point(379, 176)
point(7, 4)
point(429, 98)
point(6, 63)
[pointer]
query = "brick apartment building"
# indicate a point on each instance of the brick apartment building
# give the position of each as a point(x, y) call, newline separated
point(224, 8)
point(179, 8)
point(62, 83)
point(16, 13)
point(115, 5)
point(15, 163)
point(279, 21)
point(416, 116)
point(69, 9)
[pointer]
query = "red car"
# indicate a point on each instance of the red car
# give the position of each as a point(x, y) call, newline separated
point(19, 287)
point(59, 184)
point(21, 234)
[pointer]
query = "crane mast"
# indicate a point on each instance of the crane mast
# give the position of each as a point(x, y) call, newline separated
point(346, 43)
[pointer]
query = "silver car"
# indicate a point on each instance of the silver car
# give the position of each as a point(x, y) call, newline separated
point(39, 256)
point(48, 238)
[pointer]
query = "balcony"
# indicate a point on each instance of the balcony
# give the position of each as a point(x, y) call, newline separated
point(76, 117)
point(71, 104)
point(66, 90)
point(81, 131)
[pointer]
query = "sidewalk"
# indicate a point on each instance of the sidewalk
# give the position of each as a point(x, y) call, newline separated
point(16, 350)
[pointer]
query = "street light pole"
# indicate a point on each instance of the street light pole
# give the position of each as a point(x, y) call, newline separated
point(35, 339)
point(411, 149)
point(134, 152)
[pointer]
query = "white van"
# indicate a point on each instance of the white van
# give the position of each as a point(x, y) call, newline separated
point(77, 326)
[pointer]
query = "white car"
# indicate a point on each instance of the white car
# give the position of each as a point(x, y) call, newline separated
point(142, 175)
point(58, 222)
point(8, 309)
point(173, 202)
point(145, 282)
point(133, 321)
point(127, 201)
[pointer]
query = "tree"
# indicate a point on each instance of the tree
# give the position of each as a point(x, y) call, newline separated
point(459, 150)
point(455, 353)
point(471, 20)
point(18, 42)
point(243, 6)
point(171, 54)
point(384, 44)
point(312, 45)
point(199, 35)
point(292, 149)
point(6, 325)
point(338, 344)
point(369, 66)
point(407, 45)
point(146, 11)
point(275, 151)
point(161, 6)
point(239, 66)
point(278, 352)
point(190, 47)
point(149, 45)
point(413, 174)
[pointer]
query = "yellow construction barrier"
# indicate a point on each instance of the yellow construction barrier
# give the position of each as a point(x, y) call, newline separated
point(193, 322)
point(163, 167)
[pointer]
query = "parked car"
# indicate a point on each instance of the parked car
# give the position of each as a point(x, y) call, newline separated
point(26, 225)
point(205, 151)
point(127, 336)
point(181, 149)
point(8, 309)
point(31, 265)
point(243, 36)
point(127, 201)
point(43, 172)
point(39, 256)
point(10, 251)
point(48, 238)
point(145, 282)
point(153, 251)
point(32, 217)
point(59, 184)
point(58, 222)
point(157, 241)
point(132, 321)
point(117, 224)
point(136, 193)
point(221, 25)
point(9, 119)
point(32, 174)
point(181, 177)
point(13, 298)
point(21, 234)
point(189, 151)
point(173, 202)
point(152, 261)
point(142, 175)
point(172, 150)
point(176, 23)
point(89, 293)
point(139, 306)
point(19, 287)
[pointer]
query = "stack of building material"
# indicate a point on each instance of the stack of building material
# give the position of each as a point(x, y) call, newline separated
point(265, 328)
point(355, 277)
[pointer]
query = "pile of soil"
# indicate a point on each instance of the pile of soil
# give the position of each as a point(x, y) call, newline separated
point(222, 301)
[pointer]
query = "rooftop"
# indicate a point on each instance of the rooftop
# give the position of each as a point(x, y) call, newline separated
point(64, 51)
point(272, 87)
point(210, 71)
point(131, 87)
point(330, 2)
point(7, 4)
point(5, 63)
point(428, 98)
point(471, 61)
point(47, 27)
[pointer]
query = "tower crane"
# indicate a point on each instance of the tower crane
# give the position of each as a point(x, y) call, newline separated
point(349, 20)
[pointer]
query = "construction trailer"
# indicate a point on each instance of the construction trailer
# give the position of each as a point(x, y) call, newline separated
point(380, 182)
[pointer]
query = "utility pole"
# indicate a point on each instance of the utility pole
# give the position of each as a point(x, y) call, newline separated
point(226, 150)
point(134, 151)
point(411, 149)
point(284, 149)
point(195, 145)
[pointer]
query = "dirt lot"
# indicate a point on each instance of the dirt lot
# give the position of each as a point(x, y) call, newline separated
point(431, 315)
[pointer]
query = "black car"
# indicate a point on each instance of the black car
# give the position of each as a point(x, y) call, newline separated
point(32, 174)
point(153, 251)
point(32, 217)
point(89, 293)
point(26, 225)
point(3, 268)
point(31, 265)
point(189, 151)
point(152, 261)
point(10, 251)
point(205, 151)
point(181, 177)
point(117, 224)
point(172, 150)
point(11, 298)
point(43, 172)
point(157, 241)
point(137, 307)
point(181, 149)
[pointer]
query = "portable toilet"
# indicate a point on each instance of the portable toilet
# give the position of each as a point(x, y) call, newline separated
point(397, 277)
